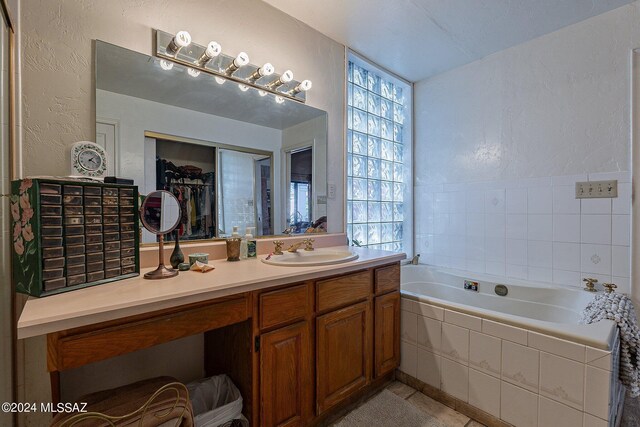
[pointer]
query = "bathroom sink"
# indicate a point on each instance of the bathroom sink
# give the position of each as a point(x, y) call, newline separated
point(304, 258)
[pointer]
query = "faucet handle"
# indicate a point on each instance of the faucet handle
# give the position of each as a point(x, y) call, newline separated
point(590, 284)
point(609, 287)
point(308, 244)
point(278, 247)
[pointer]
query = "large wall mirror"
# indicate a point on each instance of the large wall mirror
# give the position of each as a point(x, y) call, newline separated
point(233, 155)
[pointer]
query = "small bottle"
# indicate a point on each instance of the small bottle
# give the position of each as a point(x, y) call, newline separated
point(243, 248)
point(233, 246)
point(251, 243)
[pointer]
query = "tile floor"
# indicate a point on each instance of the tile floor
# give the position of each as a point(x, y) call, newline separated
point(443, 413)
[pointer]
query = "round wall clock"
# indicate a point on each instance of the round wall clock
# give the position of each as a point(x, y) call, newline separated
point(88, 159)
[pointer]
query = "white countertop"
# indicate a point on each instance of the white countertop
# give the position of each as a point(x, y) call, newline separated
point(137, 295)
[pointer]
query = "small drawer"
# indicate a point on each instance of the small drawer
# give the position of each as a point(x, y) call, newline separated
point(75, 250)
point(51, 211)
point(112, 246)
point(51, 242)
point(93, 210)
point(75, 240)
point(111, 254)
point(113, 272)
point(127, 218)
point(94, 238)
point(93, 228)
point(54, 273)
point(75, 260)
point(129, 269)
point(50, 199)
point(284, 306)
point(125, 244)
point(126, 201)
point(128, 226)
point(127, 252)
point(110, 219)
point(110, 192)
point(126, 192)
point(95, 257)
point(51, 231)
point(95, 247)
point(95, 266)
point(72, 230)
point(74, 220)
point(72, 200)
point(111, 263)
point(387, 279)
point(94, 276)
point(109, 201)
point(93, 219)
point(73, 210)
point(75, 190)
point(51, 220)
point(108, 228)
point(47, 188)
point(93, 191)
point(73, 270)
point(50, 263)
point(111, 210)
point(52, 285)
point(127, 235)
point(92, 201)
point(128, 260)
point(77, 279)
point(110, 237)
point(52, 252)
point(341, 291)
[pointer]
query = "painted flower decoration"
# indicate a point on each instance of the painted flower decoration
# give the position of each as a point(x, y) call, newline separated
point(17, 230)
point(25, 185)
point(15, 211)
point(24, 201)
point(27, 214)
point(27, 233)
point(18, 245)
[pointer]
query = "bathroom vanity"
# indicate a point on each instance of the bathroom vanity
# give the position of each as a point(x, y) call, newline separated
point(300, 343)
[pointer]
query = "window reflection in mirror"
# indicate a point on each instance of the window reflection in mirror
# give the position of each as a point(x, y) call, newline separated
point(300, 207)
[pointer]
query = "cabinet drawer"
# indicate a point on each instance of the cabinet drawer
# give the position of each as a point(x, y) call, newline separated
point(343, 290)
point(284, 306)
point(388, 279)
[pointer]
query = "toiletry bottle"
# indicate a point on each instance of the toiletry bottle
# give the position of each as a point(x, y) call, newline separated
point(251, 243)
point(233, 246)
point(243, 247)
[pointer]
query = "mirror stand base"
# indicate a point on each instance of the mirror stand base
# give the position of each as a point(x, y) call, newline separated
point(161, 272)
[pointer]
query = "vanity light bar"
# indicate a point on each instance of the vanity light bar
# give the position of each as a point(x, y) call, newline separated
point(178, 48)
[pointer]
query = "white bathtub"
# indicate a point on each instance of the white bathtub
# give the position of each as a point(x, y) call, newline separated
point(550, 310)
point(522, 358)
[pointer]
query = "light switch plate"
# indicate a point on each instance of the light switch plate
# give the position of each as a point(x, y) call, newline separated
point(331, 190)
point(596, 189)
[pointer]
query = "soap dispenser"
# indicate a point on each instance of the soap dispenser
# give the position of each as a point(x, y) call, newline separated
point(251, 243)
point(244, 247)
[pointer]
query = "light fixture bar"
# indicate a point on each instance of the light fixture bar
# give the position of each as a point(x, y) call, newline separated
point(211, 60)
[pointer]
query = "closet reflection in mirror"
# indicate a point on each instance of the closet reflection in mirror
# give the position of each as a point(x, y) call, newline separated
point(223, 150)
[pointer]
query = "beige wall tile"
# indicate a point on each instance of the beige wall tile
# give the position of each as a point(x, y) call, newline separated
point(430, 333)
point(455, 343)
point(520, 365)
point(505, 332)
point(518, 406)
point(484, 392)
point(455, 379)
point(562, 380)
point(485, 353)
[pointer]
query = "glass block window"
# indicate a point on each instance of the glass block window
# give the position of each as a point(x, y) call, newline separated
point(378, 158)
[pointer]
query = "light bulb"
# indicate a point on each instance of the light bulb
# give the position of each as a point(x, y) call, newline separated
point(180, 40)
point(220, 80)
point(213, 49)
point(241, 60)
point(166, 65)
point(266, 70)
point(192, 72)
point(287, 76)
point(262, 92)
point(242, 87)
point(279, 99)
point(304, 86)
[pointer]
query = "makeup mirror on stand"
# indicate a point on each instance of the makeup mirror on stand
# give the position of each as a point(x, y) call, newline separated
point(160, 214)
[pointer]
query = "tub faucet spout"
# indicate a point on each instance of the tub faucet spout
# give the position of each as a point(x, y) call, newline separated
point(415, 260)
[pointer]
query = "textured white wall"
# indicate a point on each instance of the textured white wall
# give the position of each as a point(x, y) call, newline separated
point(555, 109)
point(58, 87)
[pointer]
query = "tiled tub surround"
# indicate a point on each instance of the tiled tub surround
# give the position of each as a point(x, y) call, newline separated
point(531, 229)
point(512, 367)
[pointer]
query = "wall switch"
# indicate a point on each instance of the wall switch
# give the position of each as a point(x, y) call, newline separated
point(321, 200)
point(331, 190)
point(596, 189)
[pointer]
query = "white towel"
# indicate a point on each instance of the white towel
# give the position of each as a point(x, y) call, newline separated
point(619, 308)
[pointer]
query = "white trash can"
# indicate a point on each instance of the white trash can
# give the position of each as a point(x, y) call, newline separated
point(216, 402)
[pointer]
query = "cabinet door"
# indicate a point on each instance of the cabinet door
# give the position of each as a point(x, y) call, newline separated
point(286, 376)
point(387, 333)
point(344, 353)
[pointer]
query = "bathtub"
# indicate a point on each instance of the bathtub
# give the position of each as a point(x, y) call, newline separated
point(495, 352)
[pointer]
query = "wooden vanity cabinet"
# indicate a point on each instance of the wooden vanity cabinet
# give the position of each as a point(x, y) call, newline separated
point(387, 333)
